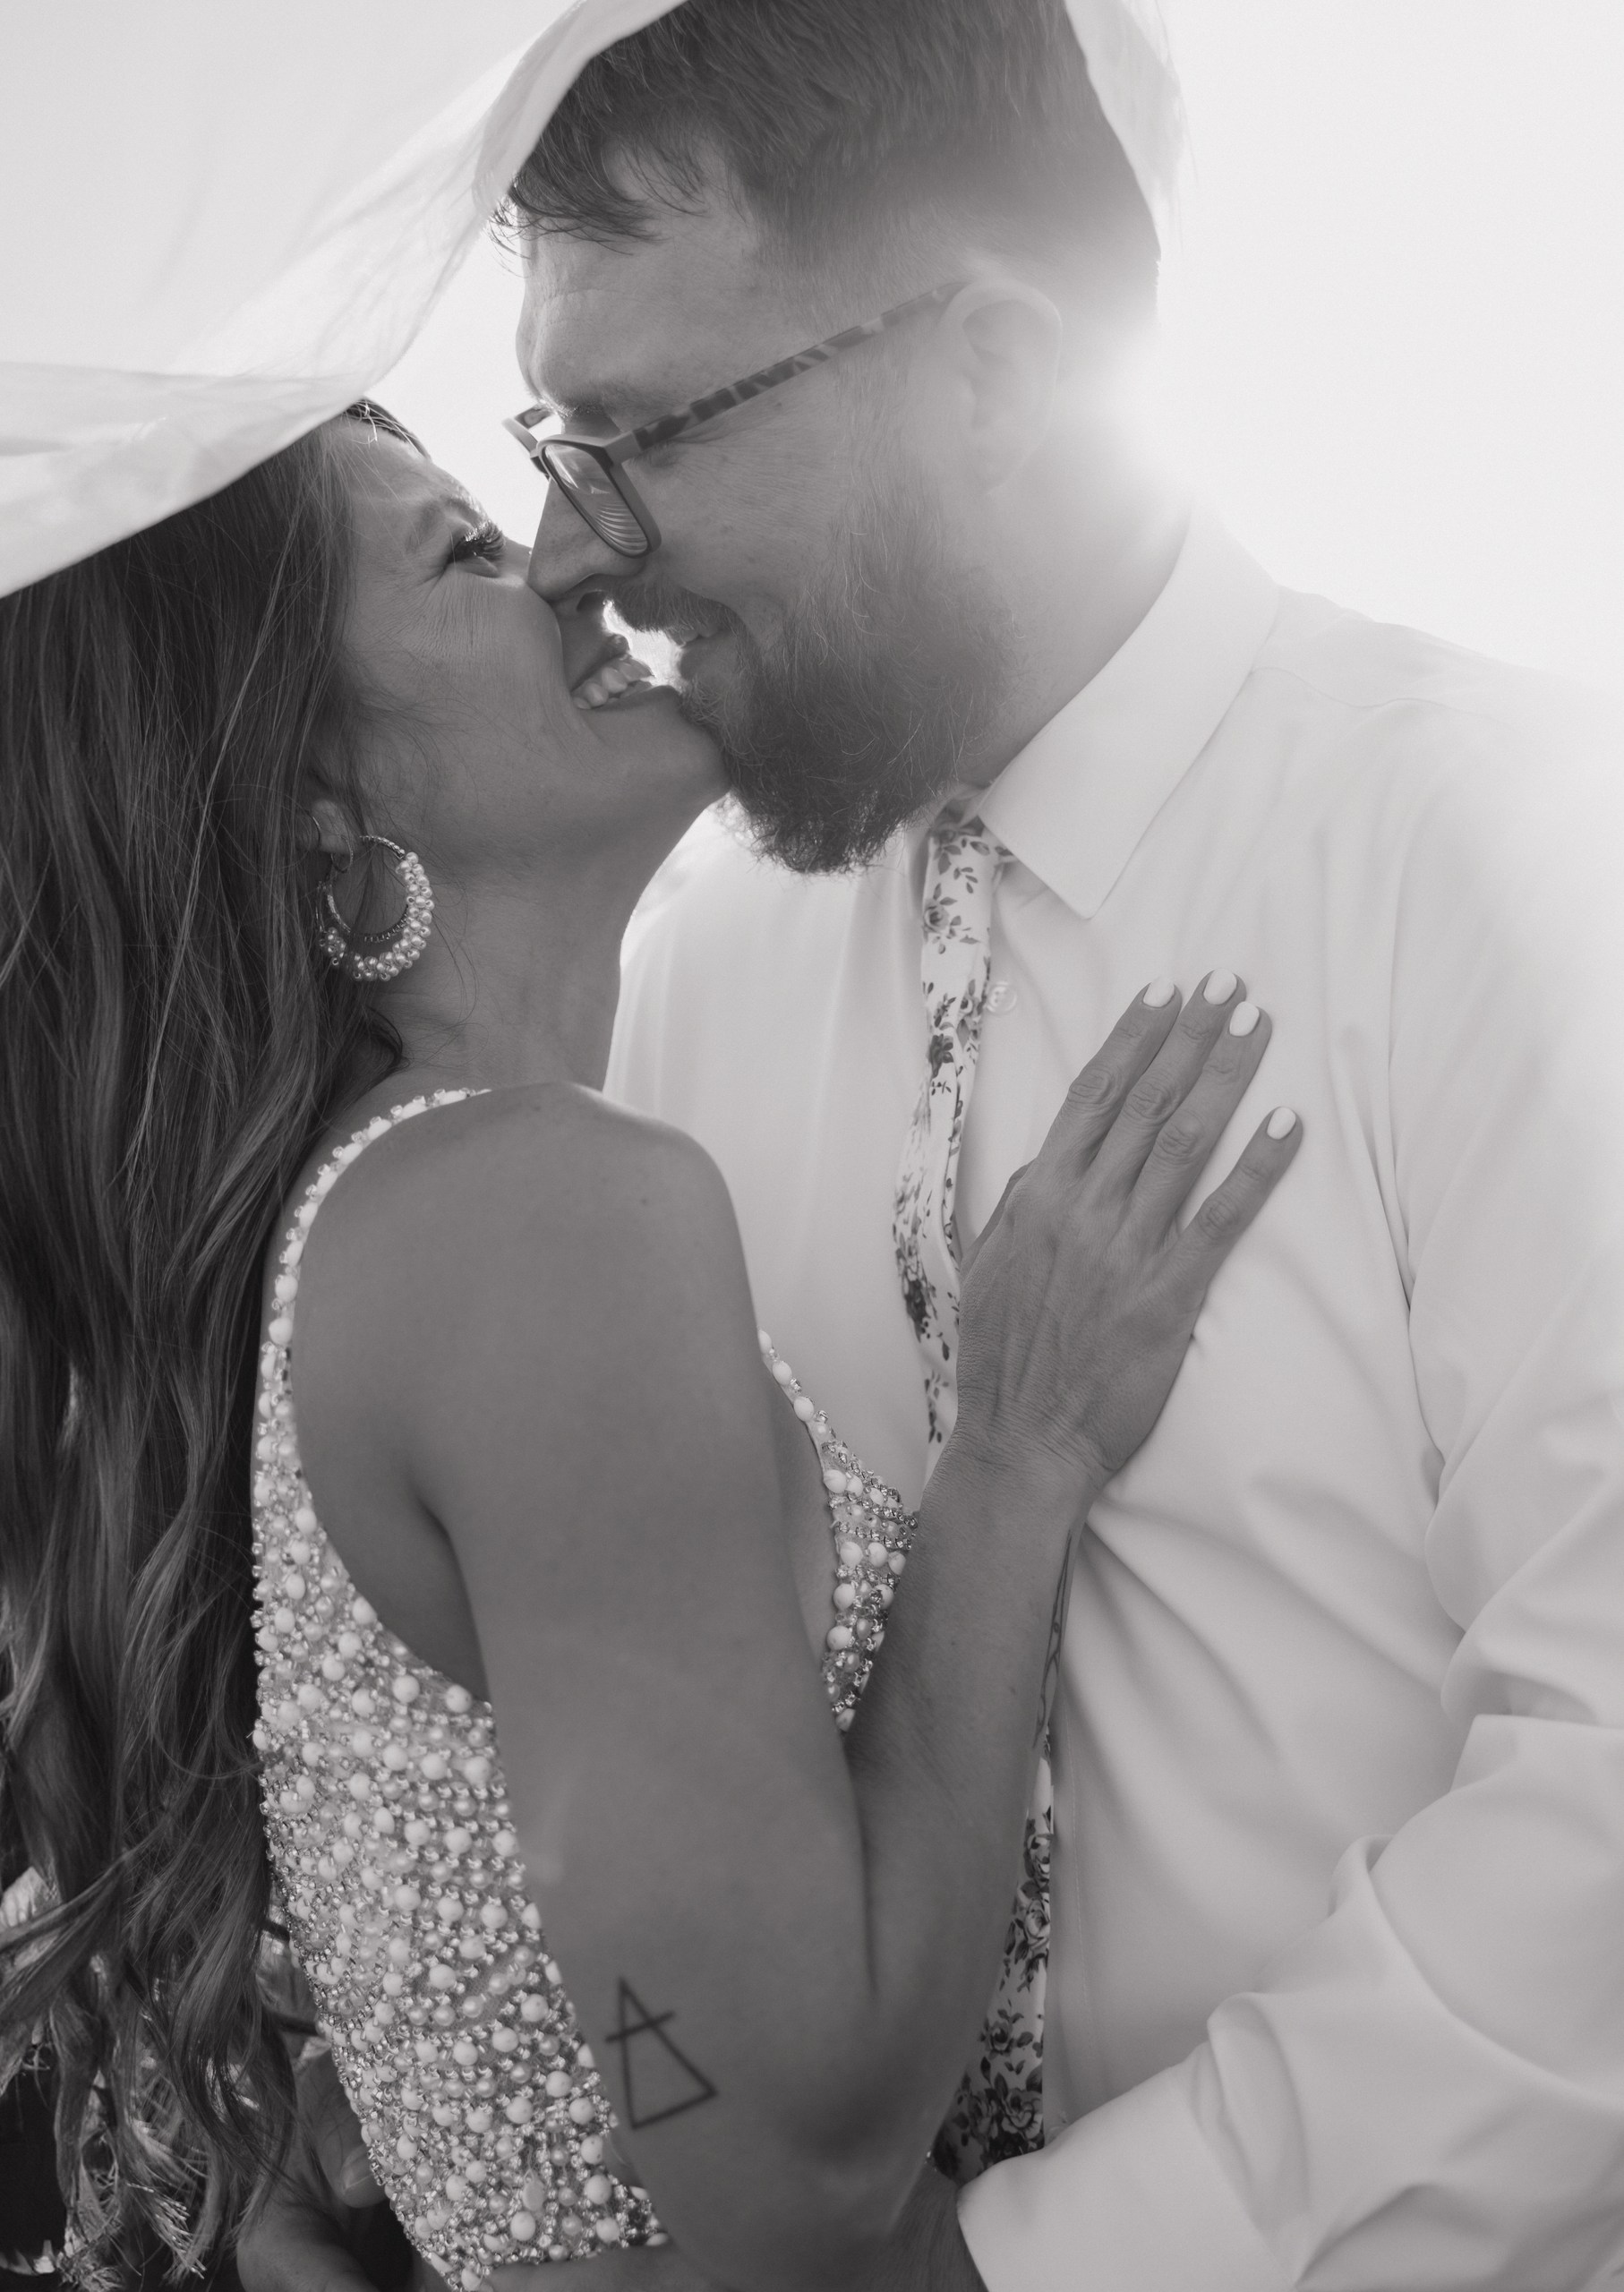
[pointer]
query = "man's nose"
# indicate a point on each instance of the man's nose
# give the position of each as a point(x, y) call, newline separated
point(566, 551)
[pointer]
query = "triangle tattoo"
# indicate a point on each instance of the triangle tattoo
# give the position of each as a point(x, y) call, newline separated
point(660, 2079)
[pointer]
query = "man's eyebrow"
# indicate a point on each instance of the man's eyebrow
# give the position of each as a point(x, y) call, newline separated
point(602, 405)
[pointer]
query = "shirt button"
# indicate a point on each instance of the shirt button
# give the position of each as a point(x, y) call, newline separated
point(1000, 996)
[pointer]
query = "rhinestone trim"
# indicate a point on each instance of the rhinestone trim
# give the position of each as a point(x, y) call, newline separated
point(873, 1536)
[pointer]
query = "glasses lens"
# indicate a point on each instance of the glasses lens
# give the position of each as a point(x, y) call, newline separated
point(592, 491)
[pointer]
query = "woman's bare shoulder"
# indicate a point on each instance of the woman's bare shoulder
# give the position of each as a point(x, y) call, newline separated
point(518, 1219)
point(528, 1156)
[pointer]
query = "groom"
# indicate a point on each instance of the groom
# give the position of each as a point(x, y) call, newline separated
point(1333, 1994)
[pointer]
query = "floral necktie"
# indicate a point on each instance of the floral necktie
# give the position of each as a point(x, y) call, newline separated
point(962, 871)
point(997, 2111)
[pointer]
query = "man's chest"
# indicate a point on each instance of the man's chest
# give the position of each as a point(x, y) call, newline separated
point(801, 1082)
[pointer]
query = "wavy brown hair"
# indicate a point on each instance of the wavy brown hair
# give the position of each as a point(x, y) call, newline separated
point(171, 1047)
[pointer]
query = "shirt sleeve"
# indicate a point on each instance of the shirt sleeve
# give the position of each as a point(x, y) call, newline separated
point(1426, 2092)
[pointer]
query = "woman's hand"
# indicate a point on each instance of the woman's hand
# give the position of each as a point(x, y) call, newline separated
point(1080, 1296)
point(572, 1385)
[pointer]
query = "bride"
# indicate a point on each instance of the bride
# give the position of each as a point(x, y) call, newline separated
point(402, 1534)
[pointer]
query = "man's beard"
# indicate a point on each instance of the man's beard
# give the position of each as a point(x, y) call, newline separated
point(864, 709)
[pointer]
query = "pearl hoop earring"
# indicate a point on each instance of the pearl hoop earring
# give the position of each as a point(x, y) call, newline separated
point(399, 947)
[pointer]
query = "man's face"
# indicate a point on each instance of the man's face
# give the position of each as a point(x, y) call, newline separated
point(830, 636)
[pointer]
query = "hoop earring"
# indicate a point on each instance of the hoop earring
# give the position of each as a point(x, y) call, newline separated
point(400, 945)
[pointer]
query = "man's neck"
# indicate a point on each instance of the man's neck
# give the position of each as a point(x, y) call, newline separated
point(1086, 613)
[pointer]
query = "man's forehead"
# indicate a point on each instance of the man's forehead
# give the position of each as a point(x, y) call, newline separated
point(631, 328)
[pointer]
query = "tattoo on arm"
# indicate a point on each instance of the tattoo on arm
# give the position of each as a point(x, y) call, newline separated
point(660, 2079)
point(1051, 1662)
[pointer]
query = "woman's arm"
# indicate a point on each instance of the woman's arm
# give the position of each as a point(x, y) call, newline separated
point(781, 1958)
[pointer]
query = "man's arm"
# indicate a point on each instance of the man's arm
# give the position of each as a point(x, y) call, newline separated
point(1428, 2089)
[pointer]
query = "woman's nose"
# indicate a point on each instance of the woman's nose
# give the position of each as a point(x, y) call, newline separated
point(566, 551)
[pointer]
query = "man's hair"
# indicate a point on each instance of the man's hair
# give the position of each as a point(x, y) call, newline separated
point(846, 128)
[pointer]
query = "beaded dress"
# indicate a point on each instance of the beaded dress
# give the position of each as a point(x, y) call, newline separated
point(391, 1840)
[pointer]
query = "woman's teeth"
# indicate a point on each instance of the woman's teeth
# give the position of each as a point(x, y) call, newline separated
point(610, 681)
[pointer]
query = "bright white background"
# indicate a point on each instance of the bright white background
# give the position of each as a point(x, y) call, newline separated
point(1395, 316)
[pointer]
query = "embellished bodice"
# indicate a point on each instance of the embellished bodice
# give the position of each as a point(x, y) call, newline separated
point(390, 1837)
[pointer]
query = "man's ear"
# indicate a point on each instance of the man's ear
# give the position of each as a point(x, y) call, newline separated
point(1002, 339)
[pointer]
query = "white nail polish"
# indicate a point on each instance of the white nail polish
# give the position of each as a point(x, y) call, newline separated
point(1282, 1122)
point(1243, 1018)
point(1160, 993)
point(1221, 986)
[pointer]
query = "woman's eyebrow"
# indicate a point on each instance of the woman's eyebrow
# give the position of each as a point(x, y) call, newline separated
point(430, 519)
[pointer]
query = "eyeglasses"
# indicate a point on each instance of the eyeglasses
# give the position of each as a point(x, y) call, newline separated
point(590, 473)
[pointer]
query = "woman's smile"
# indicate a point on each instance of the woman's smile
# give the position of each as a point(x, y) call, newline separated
point(620, 673)
point(600, 667)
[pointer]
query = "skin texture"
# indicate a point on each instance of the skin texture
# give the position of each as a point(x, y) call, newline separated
point(1009, 420)
point(1007, 410)
point(553, 1395)
point(312, 2240)
point(1014, 430)
point(539, 826)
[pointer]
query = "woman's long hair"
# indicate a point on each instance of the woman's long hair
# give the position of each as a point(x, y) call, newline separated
point(171, 1047)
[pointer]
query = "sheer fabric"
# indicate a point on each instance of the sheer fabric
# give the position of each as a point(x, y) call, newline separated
point(223, 224)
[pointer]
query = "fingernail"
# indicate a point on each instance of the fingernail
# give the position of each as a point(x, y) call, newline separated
point(1243, 1018)
point(1282, 1122)
point(1160, 993)
point(1220, 987)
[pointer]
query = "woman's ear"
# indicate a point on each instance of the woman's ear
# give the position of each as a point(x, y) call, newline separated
point(1003, 340)
point(325, 826)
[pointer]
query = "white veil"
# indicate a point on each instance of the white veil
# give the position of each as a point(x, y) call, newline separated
point(222, 223)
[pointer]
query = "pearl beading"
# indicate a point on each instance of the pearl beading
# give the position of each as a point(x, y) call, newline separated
point(404, 940)
point(389, 1832)
point(873, 1536)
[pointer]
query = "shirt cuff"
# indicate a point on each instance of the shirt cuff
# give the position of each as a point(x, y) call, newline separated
point(1129, 2199)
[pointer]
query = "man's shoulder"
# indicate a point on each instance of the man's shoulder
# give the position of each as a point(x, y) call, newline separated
point(1422, 730)
point(1465, 699)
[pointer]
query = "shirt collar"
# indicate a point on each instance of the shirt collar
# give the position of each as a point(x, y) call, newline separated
point(1078, 799)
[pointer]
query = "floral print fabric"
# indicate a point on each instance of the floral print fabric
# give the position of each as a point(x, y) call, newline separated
point(997, 2111)
point(955, 965)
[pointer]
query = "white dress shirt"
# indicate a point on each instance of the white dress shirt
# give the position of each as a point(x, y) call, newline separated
point(1337, 1991)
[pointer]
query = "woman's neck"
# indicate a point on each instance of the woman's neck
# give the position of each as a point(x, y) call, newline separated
point(520, 986)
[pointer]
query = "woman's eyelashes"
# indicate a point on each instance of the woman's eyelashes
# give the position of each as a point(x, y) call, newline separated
point(486, 540)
